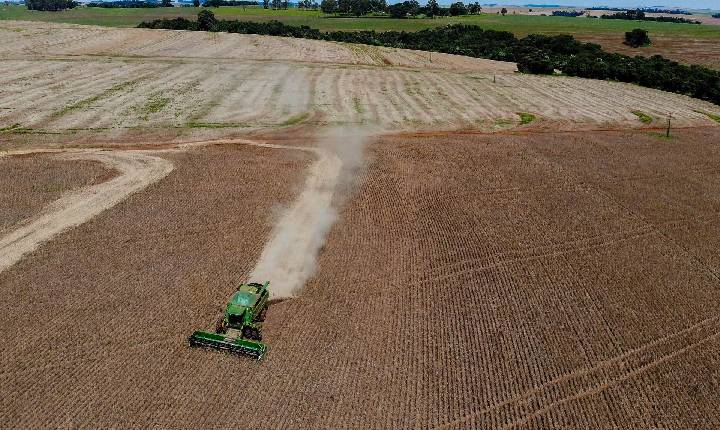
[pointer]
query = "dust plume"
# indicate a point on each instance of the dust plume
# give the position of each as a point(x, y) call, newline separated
point(289, 258)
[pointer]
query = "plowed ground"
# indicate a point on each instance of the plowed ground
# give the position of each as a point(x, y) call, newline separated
point(541, 280)
point(682, 49)
point(31, 182)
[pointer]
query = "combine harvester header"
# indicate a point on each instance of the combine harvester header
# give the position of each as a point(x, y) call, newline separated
point(238, 330)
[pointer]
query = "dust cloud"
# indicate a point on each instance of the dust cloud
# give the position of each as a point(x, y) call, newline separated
point(290, 256)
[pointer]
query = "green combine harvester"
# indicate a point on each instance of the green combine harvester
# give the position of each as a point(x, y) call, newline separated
point(238, 330)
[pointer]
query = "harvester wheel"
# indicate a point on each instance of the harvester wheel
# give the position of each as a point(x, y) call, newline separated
point(251, 333)
point(220, 326)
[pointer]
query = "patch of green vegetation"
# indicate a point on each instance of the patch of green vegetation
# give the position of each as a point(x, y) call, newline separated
point(154, 104)
point(10, 128)
point(27, 130)
point(661, 136)
point(710, 115)
point(642, 116)
point(526, 118)
point(295, 119)
point(51, 188)
point(213, 125)
point(358, 107)
point(82, 104)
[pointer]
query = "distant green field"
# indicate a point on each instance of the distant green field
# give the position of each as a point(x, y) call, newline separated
point(518, 24)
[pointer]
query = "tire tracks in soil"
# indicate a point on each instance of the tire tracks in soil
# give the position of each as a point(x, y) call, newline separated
point(605, 374)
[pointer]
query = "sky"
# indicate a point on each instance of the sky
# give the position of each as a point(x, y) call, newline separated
point(688, 4)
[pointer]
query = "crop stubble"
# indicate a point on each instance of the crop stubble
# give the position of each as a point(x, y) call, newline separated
point(532, 279)
point(90, 84)
point(31, 182)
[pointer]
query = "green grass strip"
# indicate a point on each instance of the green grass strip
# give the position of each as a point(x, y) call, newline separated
point(526, 118)
point(643, 117)
point(712, 116)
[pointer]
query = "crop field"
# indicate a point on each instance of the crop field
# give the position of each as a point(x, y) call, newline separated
point(29, 183)
point(527, 286)
point(668, 38)
point(93, 82)
point(472, 247)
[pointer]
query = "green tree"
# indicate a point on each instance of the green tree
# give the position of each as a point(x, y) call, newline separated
point(166, 3)
point(378, 5)
point(207, 21)
point(344, 6)
point(329, 6)
point(637, 38)
point(503, 11)
point(432, 8)
point(359, 7)
point(402, 10)
point(457, 8)
point(196, 3)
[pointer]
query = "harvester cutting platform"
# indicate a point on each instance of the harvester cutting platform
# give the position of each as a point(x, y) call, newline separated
point(238, 330)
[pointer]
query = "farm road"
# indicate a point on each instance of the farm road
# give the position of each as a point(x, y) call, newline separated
point(289, 255)
point(137, 171)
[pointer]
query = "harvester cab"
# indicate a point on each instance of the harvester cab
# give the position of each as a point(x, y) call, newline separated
point(239, 329)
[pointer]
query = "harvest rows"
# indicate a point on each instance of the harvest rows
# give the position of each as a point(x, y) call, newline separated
point(107, 90)
point(29, 186)
point(121, 96)
point(527, 286)
point(525, 278)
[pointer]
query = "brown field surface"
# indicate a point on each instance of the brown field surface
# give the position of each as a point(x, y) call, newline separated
point(557, 274)
point(31, 182)
point(534, 280)
point(681, 49)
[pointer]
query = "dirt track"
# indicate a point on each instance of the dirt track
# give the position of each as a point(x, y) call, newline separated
point(30, 183)
point(289, 257)
point(137, 171)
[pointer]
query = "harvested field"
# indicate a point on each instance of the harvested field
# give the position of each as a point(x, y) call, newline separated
point(136, 171)
point(686, 50)
point(105, 299)
point(31, 182)
point(561, 273)
point(532, 280)
point(93, 84)
point(35, 39)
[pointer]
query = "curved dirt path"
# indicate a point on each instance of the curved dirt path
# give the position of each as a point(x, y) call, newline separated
point(137, 171)
point(288, 258)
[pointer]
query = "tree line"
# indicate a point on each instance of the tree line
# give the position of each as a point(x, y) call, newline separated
point(569, 13)
point(407, 8)
point(123, 4)
point(644, 9)
point(218, 3)
point(50, 5)
point(539, 54)
point(639, 15)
